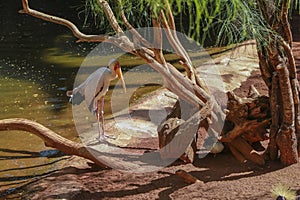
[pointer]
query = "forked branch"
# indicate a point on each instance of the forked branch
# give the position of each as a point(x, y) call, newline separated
point(110, 16)
point(154, 57)
point(134, 32)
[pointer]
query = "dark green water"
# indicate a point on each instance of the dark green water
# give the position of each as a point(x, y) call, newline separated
point(38, 62)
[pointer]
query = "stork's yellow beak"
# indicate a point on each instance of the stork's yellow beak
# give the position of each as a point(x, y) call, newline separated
point(120, 76)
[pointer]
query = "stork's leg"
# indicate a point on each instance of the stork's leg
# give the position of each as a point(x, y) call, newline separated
point(97, 113)
point(101, 128)
point(100, 118)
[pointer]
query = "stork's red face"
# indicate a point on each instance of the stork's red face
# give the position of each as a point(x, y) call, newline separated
point(116, 66)
point(117, 69)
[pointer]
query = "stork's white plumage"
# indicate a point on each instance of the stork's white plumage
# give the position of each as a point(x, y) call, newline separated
point(217, 148)
point(94, 88)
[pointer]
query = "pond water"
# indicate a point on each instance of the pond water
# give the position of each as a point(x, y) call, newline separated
point(38, 63)
point(31, 87)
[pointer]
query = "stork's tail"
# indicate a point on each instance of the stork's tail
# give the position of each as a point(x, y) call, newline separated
point(75, 97)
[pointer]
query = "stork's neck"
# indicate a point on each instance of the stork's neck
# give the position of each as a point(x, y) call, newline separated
point(113, 74)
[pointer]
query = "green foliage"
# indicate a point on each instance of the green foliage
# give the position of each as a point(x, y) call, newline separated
point(221, 21)
point(136, 11)
point(295, 4)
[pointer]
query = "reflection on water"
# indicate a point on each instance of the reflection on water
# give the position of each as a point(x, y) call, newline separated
point(19, 154)
point(33, 87)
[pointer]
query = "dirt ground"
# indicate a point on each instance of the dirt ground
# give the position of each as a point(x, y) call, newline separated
point(222, 176)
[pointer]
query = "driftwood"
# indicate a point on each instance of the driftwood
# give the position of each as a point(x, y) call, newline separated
point(177, 137)
point(50, 138)
point(245, 150)
point(246, 123)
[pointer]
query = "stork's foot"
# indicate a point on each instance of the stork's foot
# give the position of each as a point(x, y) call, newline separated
point(95, 112)
point(103, 138)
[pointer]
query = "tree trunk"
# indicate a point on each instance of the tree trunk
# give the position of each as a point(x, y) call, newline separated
point(278, 69)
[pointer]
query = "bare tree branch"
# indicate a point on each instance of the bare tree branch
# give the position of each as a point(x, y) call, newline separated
point(135, 33)
point(157, 42)
point(285, 22)
point(110, 16)
point(57, 20)
point(189, 91)
point(173, 84)
point(171, 34)
point(187, 63)
point(50, 138)
point(177, 49)
point(291, 59)
point(200, 92)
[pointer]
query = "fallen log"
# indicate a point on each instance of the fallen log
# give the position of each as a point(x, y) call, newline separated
point(247, 121)
point(177, 137)
point(246, 150)
point(50, 138)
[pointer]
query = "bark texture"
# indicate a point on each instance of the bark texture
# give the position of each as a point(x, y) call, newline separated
point(278, 70)
point(50, 138)
point(246, 124)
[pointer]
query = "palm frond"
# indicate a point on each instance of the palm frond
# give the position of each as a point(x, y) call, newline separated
point(223, 21)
